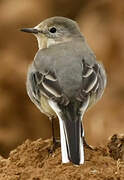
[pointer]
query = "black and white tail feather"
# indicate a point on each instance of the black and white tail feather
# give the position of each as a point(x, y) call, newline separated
point(70, 112)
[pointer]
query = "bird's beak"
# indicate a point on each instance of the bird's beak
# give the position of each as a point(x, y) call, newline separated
point(30, 30)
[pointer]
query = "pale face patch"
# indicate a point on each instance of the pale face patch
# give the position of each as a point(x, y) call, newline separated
point(42, 41)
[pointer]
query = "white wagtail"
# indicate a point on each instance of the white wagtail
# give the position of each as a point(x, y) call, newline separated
point(64, 80)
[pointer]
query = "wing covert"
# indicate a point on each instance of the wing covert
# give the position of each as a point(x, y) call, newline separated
point(46, 84)
point(90, 80)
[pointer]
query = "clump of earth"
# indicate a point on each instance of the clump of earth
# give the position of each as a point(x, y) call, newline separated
point(33, 161)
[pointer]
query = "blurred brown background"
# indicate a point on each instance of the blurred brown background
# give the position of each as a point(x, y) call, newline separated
point(102, 23)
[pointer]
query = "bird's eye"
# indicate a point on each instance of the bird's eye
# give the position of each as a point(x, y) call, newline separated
point(52, 30)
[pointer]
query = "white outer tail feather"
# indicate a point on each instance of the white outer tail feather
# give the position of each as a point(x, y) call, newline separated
point(64, 152)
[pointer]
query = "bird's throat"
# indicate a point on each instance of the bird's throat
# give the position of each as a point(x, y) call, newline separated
point(42, 42)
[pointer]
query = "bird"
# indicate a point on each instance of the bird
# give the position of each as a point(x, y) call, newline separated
point(65, 80)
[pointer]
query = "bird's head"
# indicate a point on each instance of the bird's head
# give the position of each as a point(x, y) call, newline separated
point(54, 30)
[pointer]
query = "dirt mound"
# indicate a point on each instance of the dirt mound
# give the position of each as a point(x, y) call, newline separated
point(32, 161)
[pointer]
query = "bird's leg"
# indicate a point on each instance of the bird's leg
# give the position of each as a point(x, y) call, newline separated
point(84, 141)
point(55, 142)
point(86, 145)
point(53, 135)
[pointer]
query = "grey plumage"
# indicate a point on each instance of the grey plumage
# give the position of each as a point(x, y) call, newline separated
point(67, 76)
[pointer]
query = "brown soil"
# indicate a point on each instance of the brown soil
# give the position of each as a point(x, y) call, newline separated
point(102, 23)
point(32, 161)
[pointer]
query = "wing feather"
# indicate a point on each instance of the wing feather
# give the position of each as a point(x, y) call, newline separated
point(90, 80)
point(46, 84)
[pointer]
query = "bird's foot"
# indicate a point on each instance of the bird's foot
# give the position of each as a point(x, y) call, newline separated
point(54, 146)
point(87, 145)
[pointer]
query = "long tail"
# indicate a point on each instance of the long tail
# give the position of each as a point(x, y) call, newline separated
point(70, 133)
point(72, 127)
point(74, 142)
